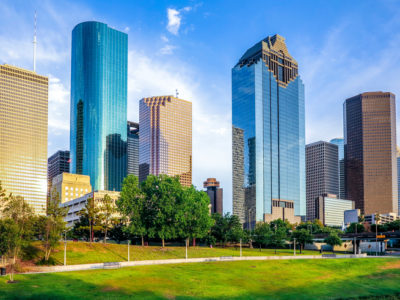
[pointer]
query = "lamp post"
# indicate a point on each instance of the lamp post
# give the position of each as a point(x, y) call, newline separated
point(294, 246)
point(240, 247)
point(377, 218)
point(129, 257)
point(65, 247)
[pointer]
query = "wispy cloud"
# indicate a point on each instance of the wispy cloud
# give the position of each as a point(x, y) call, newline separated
point(167, 49)
point(174, 17)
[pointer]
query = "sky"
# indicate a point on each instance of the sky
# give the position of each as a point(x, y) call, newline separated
point(343, 48)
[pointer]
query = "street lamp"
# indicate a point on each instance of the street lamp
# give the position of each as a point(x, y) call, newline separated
point(377, 218)
point(65, 247)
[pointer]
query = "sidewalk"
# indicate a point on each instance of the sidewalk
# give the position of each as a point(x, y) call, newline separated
point(116, 265)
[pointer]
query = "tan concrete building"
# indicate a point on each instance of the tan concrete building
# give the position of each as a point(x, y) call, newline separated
point(71, 186)
point(76, 205)
point(23, 134)
point(282, 209)
point(370, 156)
point(165, 139)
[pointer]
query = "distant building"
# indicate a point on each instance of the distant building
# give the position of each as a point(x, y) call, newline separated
point(71, 186)
point(165, 139)
point(76, 205)
point(23, 135)
point(99, 78)
point(330, 210)
point(57, 164)
point(383, 218)
point(268, 135)
point(351, 216)
point(370, 152)
point(398, 181)
point(321, 173)
point(132, 149)
point(214, 192)
point(284, 210)
point(342, 189)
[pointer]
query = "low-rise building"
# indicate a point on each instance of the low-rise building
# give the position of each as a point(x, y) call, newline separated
point(282, 209)
point(351, 216)
point(76, 205)
point(330, 210)
point(383, 218)
point(71, 186)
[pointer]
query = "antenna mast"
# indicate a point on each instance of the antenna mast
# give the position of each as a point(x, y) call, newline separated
point(34, 47)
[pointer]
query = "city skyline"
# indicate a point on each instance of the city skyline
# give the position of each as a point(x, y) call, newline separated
point(315, 49)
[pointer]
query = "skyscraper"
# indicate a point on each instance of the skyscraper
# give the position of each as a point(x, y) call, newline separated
point(370, 152)
point(23, 134)
point(268, 124)
point(340, 143)
point(132, 149)
point(98, 133)
point(57, 164)
point(165, 139)
point(321, 173)
point(215, 193)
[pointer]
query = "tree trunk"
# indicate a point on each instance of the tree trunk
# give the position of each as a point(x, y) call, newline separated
point(194, 242)
point(301, 248)
point(105, 236)
point(163, 242)
point(142, 241)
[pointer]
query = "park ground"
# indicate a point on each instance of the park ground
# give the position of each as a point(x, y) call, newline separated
point(85, 253)
point(363, 278)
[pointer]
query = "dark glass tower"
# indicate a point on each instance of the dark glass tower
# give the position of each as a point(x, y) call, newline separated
point(268, 132)
point(132, 149)
point(98, 134)
point(370, 152)
point(57, 164)
point(215, 193)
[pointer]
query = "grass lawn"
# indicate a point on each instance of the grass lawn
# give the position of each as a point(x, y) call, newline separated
point(82, 252)
point(288, 279)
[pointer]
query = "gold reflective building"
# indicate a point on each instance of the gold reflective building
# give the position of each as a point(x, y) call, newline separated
point(165, 139)
point(23, 134)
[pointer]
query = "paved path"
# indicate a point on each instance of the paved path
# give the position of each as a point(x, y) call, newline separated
point(115, 265)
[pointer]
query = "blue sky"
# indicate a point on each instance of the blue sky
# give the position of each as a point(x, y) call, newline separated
point(343, 48)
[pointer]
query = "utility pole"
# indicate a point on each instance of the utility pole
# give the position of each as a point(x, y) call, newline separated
point(294, 246)
point(65, 248)
point(129, 258)
point(34, 47)
point(187, 242)
point(240, 247)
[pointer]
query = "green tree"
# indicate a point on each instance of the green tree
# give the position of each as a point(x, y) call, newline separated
point(92, 213)
point(355, 227)
point(279, 230)
point(333, 240)
point(192, 214)
point(262, 234)
point(302, 236)
point(226, 228)
point(107, 212)
point(132, 204)
point(162, 195)
point(9, 241)
point(54, 224)
point(118, 232)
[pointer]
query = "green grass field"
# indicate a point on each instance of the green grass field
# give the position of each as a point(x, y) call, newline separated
point(288, 279)
point(83, 253)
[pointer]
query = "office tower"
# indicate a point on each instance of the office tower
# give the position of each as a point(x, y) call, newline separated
point(132, 149)
point(370, 152)
point(57, 164)
point(340, 143)
point(23, 135)
point(330, 210)
point(98, 135)
point(215, 193)
point(165, 139)
point(268, 145)
point(398, 182)
point(321, 173)
point(71, 186)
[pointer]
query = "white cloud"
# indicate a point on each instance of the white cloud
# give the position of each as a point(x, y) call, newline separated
point(164, 39)
point(167, 49)
point(174, 20)
point(59, 107)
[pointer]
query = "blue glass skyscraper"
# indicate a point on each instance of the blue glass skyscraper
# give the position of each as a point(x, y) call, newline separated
point(340, 143)
point(98, 135)
point(268, 134)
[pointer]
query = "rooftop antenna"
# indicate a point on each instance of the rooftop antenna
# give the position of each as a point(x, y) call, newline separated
point(176, 93)
point(34, 47)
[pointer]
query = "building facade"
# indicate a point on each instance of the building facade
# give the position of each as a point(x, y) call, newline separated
point(398, 182)
point(132, 149)
point(23, 135)
point(342, 189)
point(383, 218)
point(165, 140)
point(57, 164)
point(76, 205)
point(71, 186)
point(215, 193)
point(370, 152)
point(330, 210)
point(98, 131)
point(268, 143)
point(321, 173)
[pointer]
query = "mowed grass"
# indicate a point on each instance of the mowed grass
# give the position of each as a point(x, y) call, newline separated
point(287, 279)
point(84, 253)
